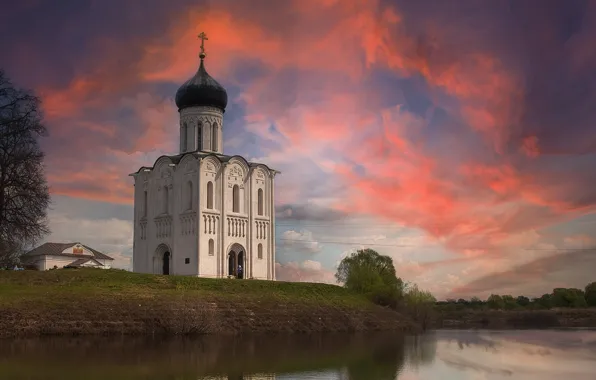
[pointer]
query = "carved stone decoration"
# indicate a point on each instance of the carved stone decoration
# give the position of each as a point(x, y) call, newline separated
point(260, 174)
point(236, 171)
point(209, 119)
point(145, 185)
point(210, 166)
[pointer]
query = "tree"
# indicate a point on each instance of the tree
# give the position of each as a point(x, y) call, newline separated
point(568, 297)
point(367, 272)
point(590, 294)
point(419, 304)
point(495, 302)
point(24, 193)
point(545, 301)
point(522, 301)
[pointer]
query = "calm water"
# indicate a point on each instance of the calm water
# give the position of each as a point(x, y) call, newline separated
point(544, 355)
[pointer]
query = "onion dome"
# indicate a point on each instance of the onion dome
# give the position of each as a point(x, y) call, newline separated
point(201, 90)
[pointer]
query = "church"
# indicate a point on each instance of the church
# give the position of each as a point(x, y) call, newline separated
point(202, 212)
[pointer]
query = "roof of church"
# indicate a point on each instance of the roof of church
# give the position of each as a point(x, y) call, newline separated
point(200, 154)
point(55, 249)
point(201, 90)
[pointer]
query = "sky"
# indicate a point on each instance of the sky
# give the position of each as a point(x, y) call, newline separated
point(456, 137)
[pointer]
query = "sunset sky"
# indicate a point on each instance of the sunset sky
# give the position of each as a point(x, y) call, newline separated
point(457, 137)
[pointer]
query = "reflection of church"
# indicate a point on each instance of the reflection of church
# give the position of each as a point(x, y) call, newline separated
point(201, 212)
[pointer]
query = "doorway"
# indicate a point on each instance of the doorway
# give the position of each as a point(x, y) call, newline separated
point(237, 262)
point(166, 263)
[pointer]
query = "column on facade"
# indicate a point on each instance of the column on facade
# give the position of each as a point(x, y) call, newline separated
point(272, 224)
point(223, 225)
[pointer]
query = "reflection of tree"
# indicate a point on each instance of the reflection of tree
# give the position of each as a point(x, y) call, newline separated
point(358, 356)
point(385, 361)
point(421, 349)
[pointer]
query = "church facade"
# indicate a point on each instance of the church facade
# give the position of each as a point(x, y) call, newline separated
point(201, 212)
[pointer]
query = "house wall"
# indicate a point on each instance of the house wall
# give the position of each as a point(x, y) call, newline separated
point(58, 261)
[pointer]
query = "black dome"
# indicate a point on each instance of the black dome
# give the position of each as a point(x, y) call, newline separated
point(201, 90)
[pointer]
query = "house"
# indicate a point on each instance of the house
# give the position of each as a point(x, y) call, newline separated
point(60, 255)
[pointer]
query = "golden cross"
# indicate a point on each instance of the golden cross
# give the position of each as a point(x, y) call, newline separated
point(203, 37)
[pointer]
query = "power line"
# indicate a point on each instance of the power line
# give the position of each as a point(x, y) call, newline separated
point(428, 246)
point(338, 224)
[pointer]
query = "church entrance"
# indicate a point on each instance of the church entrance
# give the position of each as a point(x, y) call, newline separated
point(237, 261)
point(166, 263)
point(162, 260)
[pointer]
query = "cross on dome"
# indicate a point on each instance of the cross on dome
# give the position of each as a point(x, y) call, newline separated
point(202, 36)
point(201, 89)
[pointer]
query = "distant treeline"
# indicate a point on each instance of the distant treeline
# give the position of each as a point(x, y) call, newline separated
point(559, 297)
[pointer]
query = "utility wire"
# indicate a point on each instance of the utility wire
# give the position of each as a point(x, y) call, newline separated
point(427, 246)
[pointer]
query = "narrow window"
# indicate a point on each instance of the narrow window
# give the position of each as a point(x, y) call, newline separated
point(189, 196)
point(236, 199)
point(210, 195)
point(260, 251)
point(166, 199)
point(214, 137)
point(184, 137)
point(145, 203)
point(260, 201)
point(211, 247)
point(200, 136)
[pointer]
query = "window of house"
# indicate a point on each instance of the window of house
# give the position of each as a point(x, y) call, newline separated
point(260, 201)
point(166, 199)
point(210, 195)
point(236, 199)
point(211, 247)
point(200, 136)
point(189, 196)
point(145, 203)
point(214, 137)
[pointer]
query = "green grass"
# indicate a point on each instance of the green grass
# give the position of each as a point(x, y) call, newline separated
point(19, 284)
point(94, 301)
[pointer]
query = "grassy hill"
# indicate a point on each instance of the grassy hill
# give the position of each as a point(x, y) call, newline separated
point(92, 301)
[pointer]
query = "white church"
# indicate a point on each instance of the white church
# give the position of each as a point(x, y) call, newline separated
point(201, 212)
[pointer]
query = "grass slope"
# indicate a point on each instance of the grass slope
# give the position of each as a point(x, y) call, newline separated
point(91, 301)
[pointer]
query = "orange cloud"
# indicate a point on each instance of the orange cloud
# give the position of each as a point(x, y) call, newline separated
point(312, 88)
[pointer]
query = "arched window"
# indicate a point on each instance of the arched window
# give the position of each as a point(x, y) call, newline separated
point(260, 251)
point(236, 199)
point(200, 136)
point(166, 199)
point(145, 203)
point(214, 137)
point(189, 195)
point(184, 133)
point(210, 195)
point(260, 201)
point(211, 247)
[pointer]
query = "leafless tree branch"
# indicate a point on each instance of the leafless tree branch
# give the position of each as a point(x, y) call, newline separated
point(24, 193)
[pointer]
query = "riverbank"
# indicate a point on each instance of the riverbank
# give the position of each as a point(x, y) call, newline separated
point(515, 319)
point(107, 302)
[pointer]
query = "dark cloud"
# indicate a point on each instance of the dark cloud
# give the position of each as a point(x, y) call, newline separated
point(569, 269)
point(308, 212)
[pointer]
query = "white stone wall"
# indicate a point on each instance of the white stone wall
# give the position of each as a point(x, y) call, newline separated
point(201, 129)
point(185, 229)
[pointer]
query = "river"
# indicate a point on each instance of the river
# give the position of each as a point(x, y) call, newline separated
point(444, 355)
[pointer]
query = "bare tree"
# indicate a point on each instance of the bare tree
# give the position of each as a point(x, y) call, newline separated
point(24, 193)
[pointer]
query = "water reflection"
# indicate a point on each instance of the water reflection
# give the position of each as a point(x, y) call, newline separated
point(445, 355)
